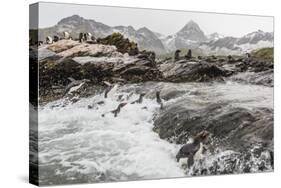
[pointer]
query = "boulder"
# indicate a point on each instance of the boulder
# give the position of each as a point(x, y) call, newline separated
point(190, 71)
point(237, 128)
point(122, 44)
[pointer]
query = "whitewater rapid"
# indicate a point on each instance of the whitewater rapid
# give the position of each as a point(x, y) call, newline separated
point(79, 145)
point(75, 141)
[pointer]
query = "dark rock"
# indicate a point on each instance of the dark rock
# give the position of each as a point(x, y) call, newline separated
point(187, 71)
point(236, 127)
point(122, 44)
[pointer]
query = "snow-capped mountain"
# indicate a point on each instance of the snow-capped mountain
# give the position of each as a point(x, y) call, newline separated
point(75, 24)
point(144, 37)
point(232, 45)
point(214, 36)
point(190, 36)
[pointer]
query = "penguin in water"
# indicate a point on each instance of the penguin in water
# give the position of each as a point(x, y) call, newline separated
point(129, 96)
point(117, 110)
point(159, 100)
point(74, 83)
point(140, 99)
point(189, 150)
point(107, 89)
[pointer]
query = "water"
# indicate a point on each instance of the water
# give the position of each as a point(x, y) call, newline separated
point(78, 145)
point(76, 140)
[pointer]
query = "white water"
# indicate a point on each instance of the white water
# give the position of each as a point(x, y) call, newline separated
point(75, 139)
point(78, 145)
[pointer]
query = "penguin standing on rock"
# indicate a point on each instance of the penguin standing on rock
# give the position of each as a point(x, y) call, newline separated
point(56, 38)
point(177, 55)
point(189, 150)
point(49, 40)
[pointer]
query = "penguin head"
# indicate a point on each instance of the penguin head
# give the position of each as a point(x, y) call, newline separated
point(202, 136)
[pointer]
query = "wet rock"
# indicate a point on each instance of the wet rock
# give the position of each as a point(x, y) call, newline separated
point(237, 128)
point(261, 78)
point(189, 71)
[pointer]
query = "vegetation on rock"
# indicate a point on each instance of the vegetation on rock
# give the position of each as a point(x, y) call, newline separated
point(122, 44)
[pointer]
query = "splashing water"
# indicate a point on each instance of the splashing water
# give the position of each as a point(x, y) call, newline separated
point(77, 144)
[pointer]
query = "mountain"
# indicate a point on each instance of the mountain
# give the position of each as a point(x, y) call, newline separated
point(214, 36)
point(145, 38)
point(233, 45)
point(190, 36)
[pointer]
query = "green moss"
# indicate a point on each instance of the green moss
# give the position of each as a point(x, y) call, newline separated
point(264, 53)
point(122, 44)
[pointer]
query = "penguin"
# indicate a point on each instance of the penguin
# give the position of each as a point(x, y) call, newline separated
point(74, 83)
point(120, 98)
point(81, 37)
point(91, 106)
point(107, 89)
point(159, 100)
point(49, 40)
point(230, 58)
point(189, 54)
point(248, 57)
point(129, 96)
point(88, 36)
point(118, 109)
point(189, 150)
point(140, 99)
point(56, 38)
point(66, 35)
point(177, 55)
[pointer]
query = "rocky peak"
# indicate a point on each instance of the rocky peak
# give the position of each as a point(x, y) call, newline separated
point(215, 36)
point(72, 20)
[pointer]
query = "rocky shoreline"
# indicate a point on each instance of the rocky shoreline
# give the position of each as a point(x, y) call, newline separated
point(71, 69)
point(124, 63)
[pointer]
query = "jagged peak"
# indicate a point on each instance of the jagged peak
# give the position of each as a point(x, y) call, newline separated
point(144, 29)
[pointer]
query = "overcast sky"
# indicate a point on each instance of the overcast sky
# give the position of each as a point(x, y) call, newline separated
point(163, 21)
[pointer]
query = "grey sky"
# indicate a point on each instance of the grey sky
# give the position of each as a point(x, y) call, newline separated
point(163, 21)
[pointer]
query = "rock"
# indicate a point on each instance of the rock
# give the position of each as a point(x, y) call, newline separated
point(95, 50)
point(122, 44)
point(261, 78)
point(62, 45)
point(237, 128)
point(189, 71)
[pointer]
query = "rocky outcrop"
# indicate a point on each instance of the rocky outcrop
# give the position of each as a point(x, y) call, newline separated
point(95, 62)
point(236, 128)
point(115, 59)
point(122, 44)
point(192, 71)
